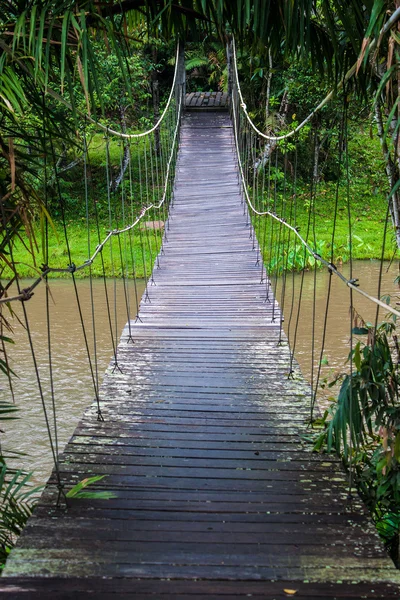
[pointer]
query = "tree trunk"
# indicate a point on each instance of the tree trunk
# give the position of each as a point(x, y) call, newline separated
point(229, 66)
point(114, 185)
point(269, 79)
point(317, 147)
point(156, 100)
point(270, 145)
point(391, 172)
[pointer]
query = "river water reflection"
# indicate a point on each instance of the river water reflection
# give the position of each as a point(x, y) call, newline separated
point(73, 383)
point(74, 390)
point(336, 347)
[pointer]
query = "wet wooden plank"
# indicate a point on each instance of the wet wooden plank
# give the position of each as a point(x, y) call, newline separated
point(217, 495)
point(184, 590)
point(207, 101)
point(189, 98)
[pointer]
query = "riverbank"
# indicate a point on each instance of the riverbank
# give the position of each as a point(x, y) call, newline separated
point(363, 200)
point(136, 252)
point(367, 233)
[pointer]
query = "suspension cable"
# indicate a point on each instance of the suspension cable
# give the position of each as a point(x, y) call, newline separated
point(27, 293)
point(393, 19)
point(352, 283)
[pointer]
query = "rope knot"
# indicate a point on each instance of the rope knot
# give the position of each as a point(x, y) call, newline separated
point(354, 282)
point(26, 294)
point(332, 267)
point(72, 268)
point(243, 105)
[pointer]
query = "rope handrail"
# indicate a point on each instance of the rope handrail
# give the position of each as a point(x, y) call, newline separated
point(129, 136)
point(395, 17)
point(27, 293)
point(351, 283)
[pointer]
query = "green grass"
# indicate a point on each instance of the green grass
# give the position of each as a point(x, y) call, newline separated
point(367, 229)
point(367, 193)
point(77, 237)
point(100, 204)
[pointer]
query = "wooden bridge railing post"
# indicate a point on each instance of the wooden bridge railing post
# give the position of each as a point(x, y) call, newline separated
point(229, 55)
point(181, 74)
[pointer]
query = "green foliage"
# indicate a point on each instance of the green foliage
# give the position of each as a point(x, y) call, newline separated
point(206, 66)
point(292, 257)
point(17, 500)
point(63, 59)
point(363, 425)
point(292, 201)
point(77, 235)
point(78, 490)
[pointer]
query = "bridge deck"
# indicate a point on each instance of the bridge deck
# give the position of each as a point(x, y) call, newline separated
point(206, 101)
point(217, 494)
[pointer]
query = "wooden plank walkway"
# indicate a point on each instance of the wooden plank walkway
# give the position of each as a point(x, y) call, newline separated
point(206, 101)
point(217, 495)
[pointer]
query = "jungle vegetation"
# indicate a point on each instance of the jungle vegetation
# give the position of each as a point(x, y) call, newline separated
point(62, 61)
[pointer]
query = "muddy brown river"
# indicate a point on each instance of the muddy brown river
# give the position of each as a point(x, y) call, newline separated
point(74, 389)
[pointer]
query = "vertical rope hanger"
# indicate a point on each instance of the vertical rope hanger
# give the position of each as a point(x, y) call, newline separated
point(291, 218)
point(293, 278)
point(55, 449)
point(72, 268)
point(154, 184)
point(342, 140)
point(273, 241)
point(167, 138)
point(60, 485)
point(159, 217)
point(147, 179)
point(114, 332)
point(304, 258)
point(47, 292)
point(254, 176)
point(313, 188)
point(267, 225)
point(247, 153)
point(261, 221)
point(256, 226)
point(103, 269)
point(285, 255)
point(345, 136)
point(131, 234)
point(123, 256)
point(92, 303)
point(114, 216)
point(147, 297)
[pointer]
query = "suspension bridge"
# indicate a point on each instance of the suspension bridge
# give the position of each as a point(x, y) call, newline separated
point(199, 425)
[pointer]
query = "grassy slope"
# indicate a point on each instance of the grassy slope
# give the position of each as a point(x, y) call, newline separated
point(367, 193)
point(77, 236)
